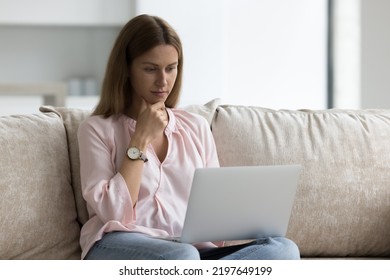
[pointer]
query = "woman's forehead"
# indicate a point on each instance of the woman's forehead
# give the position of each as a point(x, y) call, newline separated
point(161, 54)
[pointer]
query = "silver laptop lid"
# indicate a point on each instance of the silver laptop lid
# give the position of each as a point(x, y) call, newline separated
point(231, 203)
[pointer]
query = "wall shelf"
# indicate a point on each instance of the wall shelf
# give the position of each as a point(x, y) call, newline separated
point(53, 94)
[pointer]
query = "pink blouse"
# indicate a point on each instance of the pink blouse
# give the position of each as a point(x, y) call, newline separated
point(165, 186)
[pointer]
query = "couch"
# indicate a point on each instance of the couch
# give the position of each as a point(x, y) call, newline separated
point(341, 209)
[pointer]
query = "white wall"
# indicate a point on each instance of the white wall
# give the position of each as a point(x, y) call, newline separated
point(269, 53)
point(347, 53)
point(201, 27)
point(277, 53)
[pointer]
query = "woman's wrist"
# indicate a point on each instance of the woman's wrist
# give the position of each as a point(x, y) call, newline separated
point(140, 143)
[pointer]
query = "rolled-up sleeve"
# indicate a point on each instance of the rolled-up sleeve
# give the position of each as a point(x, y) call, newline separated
point(103, 188)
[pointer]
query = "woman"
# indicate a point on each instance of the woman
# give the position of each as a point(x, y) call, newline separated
point(138, 155)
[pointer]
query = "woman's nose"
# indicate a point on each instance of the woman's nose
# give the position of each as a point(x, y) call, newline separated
point(162, 79)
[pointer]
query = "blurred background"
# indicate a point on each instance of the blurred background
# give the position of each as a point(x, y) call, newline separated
point(280, 54)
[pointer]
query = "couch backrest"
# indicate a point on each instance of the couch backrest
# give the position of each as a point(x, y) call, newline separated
point(37, 208)
point(342, 206)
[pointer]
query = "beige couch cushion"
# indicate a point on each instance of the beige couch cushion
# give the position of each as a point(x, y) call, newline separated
point(342, 207)
point(72, 119)
point(208, 110)
point(37, 209)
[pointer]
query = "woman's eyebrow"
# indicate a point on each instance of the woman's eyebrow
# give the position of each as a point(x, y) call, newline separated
point(155, 64)
point(150, 63)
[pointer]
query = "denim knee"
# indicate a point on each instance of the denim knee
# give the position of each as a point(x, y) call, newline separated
point(182, 252)
point(286, 248)
point(292, 249)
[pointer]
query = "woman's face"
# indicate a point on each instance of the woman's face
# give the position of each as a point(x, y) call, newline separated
point(153, 74)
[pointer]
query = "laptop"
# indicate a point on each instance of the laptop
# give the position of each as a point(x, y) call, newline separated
point(236, 203)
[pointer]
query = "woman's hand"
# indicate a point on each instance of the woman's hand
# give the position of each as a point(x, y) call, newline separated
point(151, 122)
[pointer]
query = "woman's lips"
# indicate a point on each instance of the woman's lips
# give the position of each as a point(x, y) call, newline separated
point(159, 93)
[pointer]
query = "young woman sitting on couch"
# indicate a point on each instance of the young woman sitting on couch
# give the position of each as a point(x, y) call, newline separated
point(138, 154)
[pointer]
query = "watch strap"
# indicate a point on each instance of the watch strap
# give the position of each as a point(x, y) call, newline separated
point(142, 156)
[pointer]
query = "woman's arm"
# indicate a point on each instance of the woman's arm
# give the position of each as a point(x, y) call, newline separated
point(132, 170)
point(151, 122)
point(103, 188)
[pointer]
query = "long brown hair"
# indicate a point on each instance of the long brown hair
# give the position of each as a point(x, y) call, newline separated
point(138, 36)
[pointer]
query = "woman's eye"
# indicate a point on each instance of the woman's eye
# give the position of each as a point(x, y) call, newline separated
point(150, 69)
point(170, 69)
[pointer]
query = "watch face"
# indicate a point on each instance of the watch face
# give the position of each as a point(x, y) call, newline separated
point(133, 153)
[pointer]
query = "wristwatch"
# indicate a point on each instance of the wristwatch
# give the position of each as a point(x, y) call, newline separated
point(134, 153)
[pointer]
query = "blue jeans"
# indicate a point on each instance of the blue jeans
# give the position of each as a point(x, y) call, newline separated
point(137, 246)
